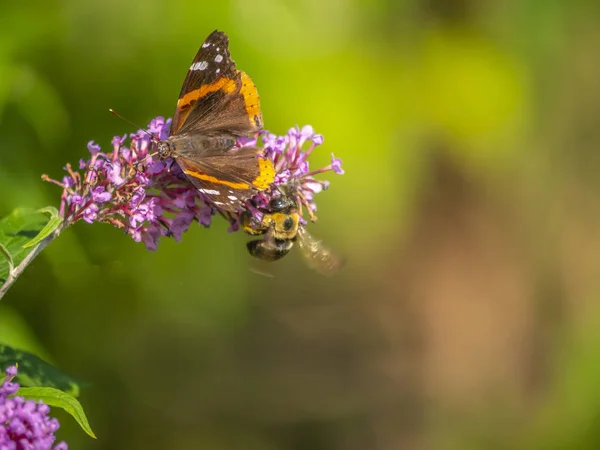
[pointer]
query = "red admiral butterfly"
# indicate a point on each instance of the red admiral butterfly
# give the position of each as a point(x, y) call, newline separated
point(217, 105)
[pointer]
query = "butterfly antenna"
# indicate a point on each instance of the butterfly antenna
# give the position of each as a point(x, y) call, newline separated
point(112, 111)
point(152, 137)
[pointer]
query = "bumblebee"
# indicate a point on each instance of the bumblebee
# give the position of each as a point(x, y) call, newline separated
point(281, 229)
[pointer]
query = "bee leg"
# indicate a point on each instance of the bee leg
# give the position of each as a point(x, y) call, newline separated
point(249, 227)
point(252, 228)
point(254, 231)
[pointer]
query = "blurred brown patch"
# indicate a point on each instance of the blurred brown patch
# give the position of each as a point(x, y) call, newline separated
point(459, 291)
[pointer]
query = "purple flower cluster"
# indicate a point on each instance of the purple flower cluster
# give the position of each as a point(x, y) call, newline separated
point(24, 424)
point(134, 190)
point(290, 155)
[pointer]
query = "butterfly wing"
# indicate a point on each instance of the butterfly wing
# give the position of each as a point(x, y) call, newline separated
point(228, 179)
point(217, 104)
point(215, 96)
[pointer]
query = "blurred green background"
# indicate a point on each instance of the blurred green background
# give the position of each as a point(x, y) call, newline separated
point(468, 315)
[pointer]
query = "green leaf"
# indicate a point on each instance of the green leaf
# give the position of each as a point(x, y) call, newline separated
point(53, 224)
point(55, 397)
point(34, 371)
point(18, 229)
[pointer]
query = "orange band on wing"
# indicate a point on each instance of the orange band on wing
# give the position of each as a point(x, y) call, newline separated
point(202, 176)
point(251, 100)
point(266, 175)
point(261, 182)
point(225, 84)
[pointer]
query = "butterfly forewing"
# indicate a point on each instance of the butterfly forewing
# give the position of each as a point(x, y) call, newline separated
point(215, 95)
point(202, 79)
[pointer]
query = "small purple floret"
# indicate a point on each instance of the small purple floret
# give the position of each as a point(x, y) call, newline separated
point(93, 148)
point(336, 165)
point(100, 195)
point(91, 213)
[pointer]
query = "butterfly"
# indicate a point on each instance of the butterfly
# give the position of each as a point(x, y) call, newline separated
point(217, 105)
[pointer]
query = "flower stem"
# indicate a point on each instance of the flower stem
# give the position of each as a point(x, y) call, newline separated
point(15, 272)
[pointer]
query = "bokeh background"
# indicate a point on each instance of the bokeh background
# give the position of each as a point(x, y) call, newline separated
point(468, 315)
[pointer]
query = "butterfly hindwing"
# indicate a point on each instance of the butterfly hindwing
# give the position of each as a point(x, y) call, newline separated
point(229, 179)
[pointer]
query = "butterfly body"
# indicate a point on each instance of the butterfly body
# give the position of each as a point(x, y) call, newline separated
point(217, 105)
point(184, 147)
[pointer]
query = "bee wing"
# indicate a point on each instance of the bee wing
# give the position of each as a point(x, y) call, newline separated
point(317, 255)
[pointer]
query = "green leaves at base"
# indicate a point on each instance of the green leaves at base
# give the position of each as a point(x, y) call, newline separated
point(20, 232)
point(41, 381)
point(54, 397)
point(36, 372)
point(53, 224)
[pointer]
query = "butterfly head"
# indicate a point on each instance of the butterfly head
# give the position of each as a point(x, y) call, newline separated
point(165, 149)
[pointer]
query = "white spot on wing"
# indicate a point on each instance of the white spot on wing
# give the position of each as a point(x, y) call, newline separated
point(206, 44)
point(218, 70)
point(200, 65)
point(218, 58)
point(209, 191)
point(218, 49)
point(232, 197)
point(218, 203)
